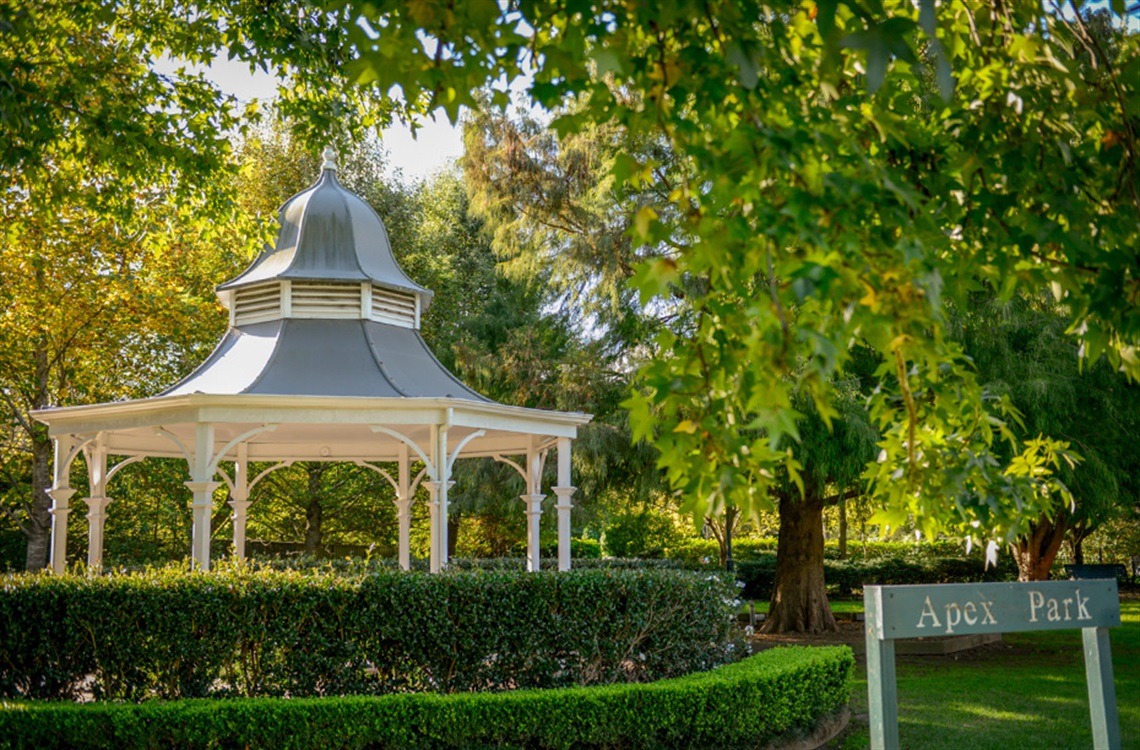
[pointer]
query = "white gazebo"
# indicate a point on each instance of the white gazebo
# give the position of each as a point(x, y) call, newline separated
point(323, 361)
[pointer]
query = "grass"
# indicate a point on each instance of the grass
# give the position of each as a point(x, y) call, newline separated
point(1029, 694)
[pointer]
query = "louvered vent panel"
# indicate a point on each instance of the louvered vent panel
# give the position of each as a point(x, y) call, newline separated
point(394, 308)
point(257, 304)
point(315, 300)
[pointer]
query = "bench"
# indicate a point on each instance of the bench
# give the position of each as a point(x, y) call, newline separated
point(1117, 571)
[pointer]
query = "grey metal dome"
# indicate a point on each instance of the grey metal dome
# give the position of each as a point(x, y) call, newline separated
point(326, 312)
point(329, 234)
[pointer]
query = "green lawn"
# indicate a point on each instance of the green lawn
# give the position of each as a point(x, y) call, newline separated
point(1028, 695)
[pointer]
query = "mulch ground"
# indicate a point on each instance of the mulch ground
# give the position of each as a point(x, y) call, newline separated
point(849, 633)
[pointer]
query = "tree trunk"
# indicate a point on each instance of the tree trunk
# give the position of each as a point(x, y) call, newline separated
point(314, 513)
point(38, 528)
point(453, 526)
point(1036, 552)
point(799, 597)
point(1076, 536)
point(730, 515)
point(722, 532)
point(843, 529)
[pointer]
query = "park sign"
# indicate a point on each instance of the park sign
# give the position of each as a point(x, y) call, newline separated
point(894, 612)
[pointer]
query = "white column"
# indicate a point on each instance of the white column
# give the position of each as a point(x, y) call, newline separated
point(533, 503)
point(203, 503)
point(240, 500)
point(61, 494)
point(442, 484)
point(96, 523)
point(435, 563)
point(404, 508)
point(564, 491)
point(97, 502)
point(60, 509)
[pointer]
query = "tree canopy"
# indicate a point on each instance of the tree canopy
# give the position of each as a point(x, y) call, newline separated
point(840, 174)
point(852, 167)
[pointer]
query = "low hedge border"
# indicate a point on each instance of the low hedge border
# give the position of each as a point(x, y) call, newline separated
point(237, 632)
point(744, 704)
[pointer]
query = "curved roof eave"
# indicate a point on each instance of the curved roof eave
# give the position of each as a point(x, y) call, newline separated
point(291, 409)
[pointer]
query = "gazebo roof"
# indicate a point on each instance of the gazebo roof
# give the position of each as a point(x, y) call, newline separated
point(329, 233)
point(323, 361)
point(327, 317)
point(324, 358)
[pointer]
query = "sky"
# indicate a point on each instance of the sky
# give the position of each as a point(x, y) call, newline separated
point(435, 145)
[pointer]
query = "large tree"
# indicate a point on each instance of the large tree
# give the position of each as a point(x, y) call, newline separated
point(117, 185)
point(1021, 351)
point(857, 164)
point(849, 167)
point(91, 314)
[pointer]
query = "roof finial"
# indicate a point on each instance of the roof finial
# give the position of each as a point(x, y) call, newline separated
point(330, 159)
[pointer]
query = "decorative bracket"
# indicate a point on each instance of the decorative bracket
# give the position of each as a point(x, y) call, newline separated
point(407, 441)
point(213, 467)
point(462, 444)
point(382, 472)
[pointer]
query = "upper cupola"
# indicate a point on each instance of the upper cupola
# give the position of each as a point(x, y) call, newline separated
point(332, 259)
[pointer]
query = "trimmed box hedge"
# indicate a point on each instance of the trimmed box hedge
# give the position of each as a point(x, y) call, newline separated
point(175, 634)
point(744, 704)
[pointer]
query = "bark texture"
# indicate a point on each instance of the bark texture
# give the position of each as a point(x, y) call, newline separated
point(842, 529)
point(453, 526)
point(38, 528)
point(722, 531)
point(314, 512)
point(799, 596)
point(1036, 552)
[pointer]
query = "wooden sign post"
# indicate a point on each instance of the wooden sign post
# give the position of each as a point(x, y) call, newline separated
point(894, 612)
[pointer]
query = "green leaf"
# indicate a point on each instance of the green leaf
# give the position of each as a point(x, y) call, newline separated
point(747, 69)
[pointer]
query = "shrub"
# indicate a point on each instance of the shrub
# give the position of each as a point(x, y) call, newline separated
point(846, 576)
point(758, 576)
point(695, 553)
point(170, 633)
point(361, 565)
point(581, 548)
point(745, 704)
point(639, 534)
point(705, 553)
